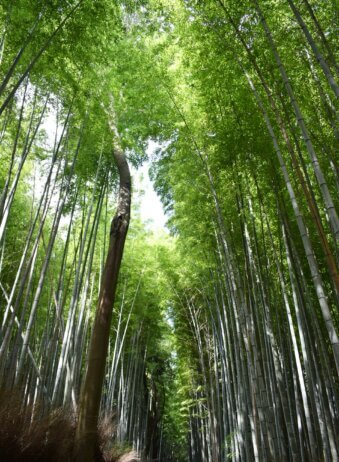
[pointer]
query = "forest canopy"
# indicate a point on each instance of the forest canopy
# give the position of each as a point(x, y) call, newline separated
point(218, 336)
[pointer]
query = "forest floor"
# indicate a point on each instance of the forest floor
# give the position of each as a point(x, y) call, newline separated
point(50, 437)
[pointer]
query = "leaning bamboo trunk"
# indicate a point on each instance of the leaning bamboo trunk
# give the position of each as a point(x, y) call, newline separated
point(327, 71)
point(330, 208)
point(86, 433)
point(36, 58)
point(326, 313)
point(322, 36)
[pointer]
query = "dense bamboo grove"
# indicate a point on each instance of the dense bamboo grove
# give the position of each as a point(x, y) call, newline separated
point(218, 340)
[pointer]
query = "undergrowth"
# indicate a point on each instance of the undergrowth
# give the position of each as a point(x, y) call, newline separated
point(26, 435)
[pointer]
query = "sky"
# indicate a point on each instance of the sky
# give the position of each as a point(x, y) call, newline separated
point(151, 210)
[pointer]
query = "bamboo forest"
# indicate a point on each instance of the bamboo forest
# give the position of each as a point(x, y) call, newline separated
point(211, 338)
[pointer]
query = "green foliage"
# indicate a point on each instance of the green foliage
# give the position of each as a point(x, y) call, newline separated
point(172, 72)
